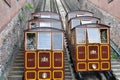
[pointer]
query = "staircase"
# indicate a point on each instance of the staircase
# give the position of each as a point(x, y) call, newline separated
point(17, 70)
point(115, 66)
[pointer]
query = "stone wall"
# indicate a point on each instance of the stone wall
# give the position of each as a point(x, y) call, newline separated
point(11, 38)
point(105, 17)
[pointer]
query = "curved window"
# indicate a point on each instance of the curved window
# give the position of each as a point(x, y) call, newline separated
point(81, 35)
point(44, 41)
point(45, 24)
point(88, 21)
point(57, 25)
point(75, 23)
point(34, 25)
point(55, 17)
point(45, 16)
point(71, 16)
point(57, 41)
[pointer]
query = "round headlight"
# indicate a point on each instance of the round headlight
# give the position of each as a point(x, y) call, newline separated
point(44, 75)
point(94, 66)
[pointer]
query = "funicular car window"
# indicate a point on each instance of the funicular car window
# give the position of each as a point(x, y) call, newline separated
point(86, 22)
point(45, 16)
point(88, 14)
point(34, 25)
point(81, 35)
point(55, 17)
point(57, 41)
point(103, 35)
point(45, 24)
point(93, 35)
point(30, 41)
point(71, 16)
point(75, 23)
point(57, 25)
point(44, 40)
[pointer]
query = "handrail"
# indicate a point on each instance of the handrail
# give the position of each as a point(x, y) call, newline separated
point(114, 46)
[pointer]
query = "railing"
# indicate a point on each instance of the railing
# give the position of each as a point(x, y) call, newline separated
point(114, 46)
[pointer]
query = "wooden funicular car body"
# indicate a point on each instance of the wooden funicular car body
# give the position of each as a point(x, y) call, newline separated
point(44, 50)
point(90, 47)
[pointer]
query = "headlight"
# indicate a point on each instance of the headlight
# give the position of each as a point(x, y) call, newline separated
point(44, 75)
point(94, 66)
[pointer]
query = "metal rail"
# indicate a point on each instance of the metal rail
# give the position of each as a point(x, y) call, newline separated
point(114, 46)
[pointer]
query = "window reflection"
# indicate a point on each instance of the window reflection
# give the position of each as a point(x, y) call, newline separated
point(55, 17)
point(57, 41)
point(44, 24)
point(57, 25)
point(75, 23)
point(71, 16)
point(93, 35)
point(81, 35)
point(30, 41)
point(103, 35)
point(44, 40)
point(45, 16)
point(88, 21)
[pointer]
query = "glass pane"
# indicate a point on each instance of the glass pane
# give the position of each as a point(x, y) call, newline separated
point(57, 41)
point(55, 17)
point(81, 35)
point(93, 35)
point(78, 15)
point(103, 35)
point(75, 23)
point(57, 25)
point(44, 41)
point(30, 41)
point(45, 16)
point(86, 22)
point(34, 25)
point(88, 14)
point(71, 16)
point(45, 24)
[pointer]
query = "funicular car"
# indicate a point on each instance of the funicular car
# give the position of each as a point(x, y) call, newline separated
point(90, 47)
point(44, 54)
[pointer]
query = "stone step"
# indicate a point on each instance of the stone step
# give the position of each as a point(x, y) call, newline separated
point(18, 64)
point(19, 61)
point(19, 57)
point(15, 77)
point(16, 73)
point(115, 66)
point(17, 68)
